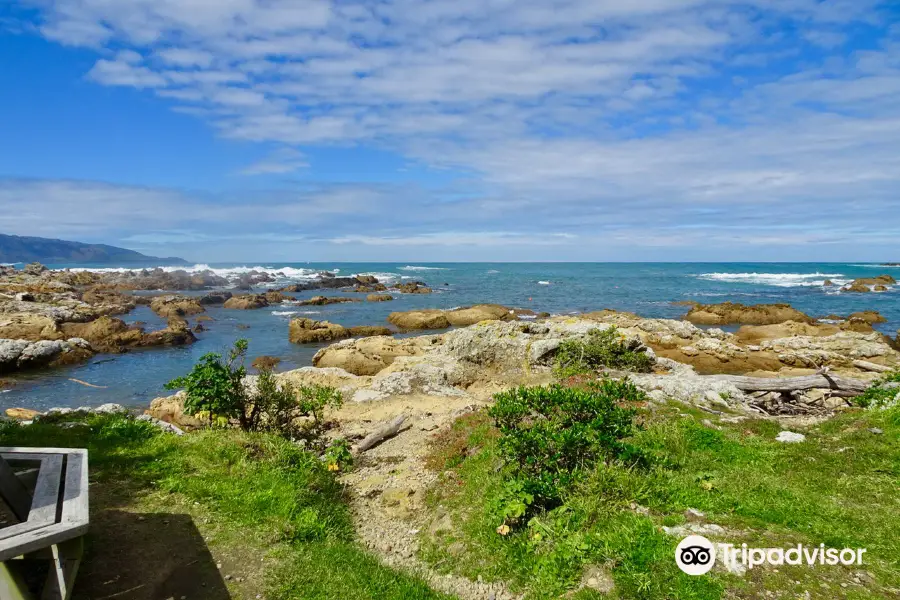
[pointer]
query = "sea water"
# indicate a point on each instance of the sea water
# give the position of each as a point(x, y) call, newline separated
point(648, 289)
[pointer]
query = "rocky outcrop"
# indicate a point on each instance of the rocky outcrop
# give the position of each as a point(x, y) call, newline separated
point(305, 331)
point(413, 287)
point(215, 298)
point(869, 316)
point(19, 355)
point(379, 298)
point(273, 297)
point(728, 313)
point(366, 356)
point(34, 268)
point(459, 317)
point(247, 302)
point(362, 282)
point(170, 409)
point(108, 334)
point(867, 284)
point(322, 301)
point(419, 319)
point(176, 306)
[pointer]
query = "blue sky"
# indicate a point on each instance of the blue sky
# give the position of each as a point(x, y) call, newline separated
point(435, 130)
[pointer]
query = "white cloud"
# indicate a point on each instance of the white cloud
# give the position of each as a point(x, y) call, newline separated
point(606, 114)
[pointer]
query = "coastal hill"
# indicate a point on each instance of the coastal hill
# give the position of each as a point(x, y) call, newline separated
point(14, 248)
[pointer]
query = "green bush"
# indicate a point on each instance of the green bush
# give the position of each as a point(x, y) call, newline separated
point(878, 395)
point(601, 348)
point(215, 387)
point(550, 435)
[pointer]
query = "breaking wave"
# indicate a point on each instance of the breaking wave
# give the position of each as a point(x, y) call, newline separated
point(414, 268)
point(777, 279)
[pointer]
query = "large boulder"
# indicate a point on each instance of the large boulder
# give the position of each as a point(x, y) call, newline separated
point(419, 319)
point(17, 355)
point(869, 316)
point(176, 306)
point(413, 287)
point(171, 410)
point(463, 317)
point(247, 302)
point(305, 331)
point(379, 298)
point(366, 356)
point(728, 313)
point(215, 298)
point(857, 287)
point(34, 268)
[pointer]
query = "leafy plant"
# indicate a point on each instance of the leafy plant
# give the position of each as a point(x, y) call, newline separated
point(878, 394)
point(215, 389)
point(601, 348)
point(215, 386)
point(338, 456)
point(550, 435)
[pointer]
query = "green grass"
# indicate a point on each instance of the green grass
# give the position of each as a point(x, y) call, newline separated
point(840, 487)
point(260, 488)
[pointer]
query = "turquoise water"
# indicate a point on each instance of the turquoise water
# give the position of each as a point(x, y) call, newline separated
point(647, 289)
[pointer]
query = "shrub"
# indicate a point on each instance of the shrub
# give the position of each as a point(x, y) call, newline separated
point(215, 386)
point(550, 435)
point(879, 395)
point(601, 348)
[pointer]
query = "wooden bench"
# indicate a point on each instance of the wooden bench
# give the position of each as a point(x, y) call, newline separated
point(46, 490)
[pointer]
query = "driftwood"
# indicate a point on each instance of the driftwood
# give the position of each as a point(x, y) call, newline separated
point(90, 385)
point(375, 438)
point(842, 385)
point(870, 366)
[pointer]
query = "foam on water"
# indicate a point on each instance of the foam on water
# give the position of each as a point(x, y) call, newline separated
point(543, 283)
point(285, 273)
point(777, 279)
point(414, 268)
point(283, 313)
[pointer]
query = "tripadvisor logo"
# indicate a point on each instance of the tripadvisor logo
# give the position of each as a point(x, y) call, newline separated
point(696, 555)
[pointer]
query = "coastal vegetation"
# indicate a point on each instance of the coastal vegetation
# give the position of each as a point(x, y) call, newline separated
point(601, 349)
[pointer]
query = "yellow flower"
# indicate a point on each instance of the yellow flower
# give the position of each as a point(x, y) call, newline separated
point(334, 467)
point(503, 529)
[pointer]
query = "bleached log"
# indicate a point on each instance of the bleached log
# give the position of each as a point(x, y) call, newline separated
point(870, 366)
point(375, 438)
point(791, 384)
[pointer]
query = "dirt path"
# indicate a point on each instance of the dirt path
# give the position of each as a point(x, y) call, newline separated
point(388, 484)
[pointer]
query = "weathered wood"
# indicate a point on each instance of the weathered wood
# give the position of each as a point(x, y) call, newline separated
point(14, 492)
point(790, 384)
point(870, 366)
point(65, 563)
point(373, 439)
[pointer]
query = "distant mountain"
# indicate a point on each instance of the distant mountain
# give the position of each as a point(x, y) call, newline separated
point(14, 248)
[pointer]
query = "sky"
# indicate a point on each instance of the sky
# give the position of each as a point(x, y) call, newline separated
point(455, 130)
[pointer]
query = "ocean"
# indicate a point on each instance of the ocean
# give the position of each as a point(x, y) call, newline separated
point(648, 289)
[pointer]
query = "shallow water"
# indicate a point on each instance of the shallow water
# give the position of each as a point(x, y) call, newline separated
point(648, 289)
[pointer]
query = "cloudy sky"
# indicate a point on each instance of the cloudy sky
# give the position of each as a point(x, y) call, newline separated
point(299, 130)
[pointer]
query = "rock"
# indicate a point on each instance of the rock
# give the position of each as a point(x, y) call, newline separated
point(215, 298)
point(599, 579)
point(23, 354)
point(367, 279)
point(879, 288)
point(273, 297)
point(879, 280)
point(859, 288)
point(413, 287)
point(247, 302)
point(204, 318)
point(366, 356)
point(876, 431)
point(463, 317)
point(827, 283)
point(265, 362)
point(869, 316)
point(22, 414)
point(379, 297)
point(199, 328)
point(170, 409)
point(110, 408)
point(304, 331)
point(34, 268)
point(733, 313)
point(789, 437)
point(369, 331)
point(176, 306)
point(419, 319)
point(692, 514)
point(322, 301)
point(24, 297)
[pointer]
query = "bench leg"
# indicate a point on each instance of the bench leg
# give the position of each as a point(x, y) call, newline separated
point(11, 584)
point(63, 569)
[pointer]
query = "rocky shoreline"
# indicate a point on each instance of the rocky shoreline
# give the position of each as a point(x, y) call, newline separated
point(50, 318)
